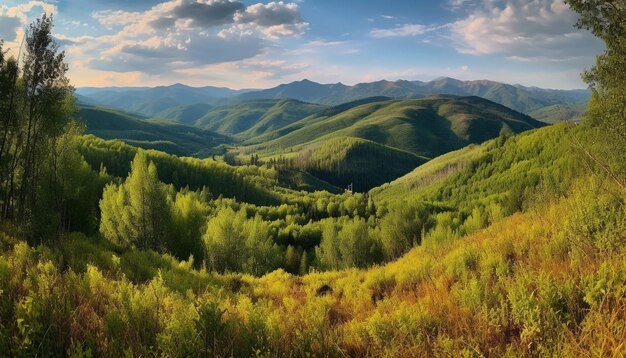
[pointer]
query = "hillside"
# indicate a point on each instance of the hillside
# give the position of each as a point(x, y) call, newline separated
point(344, 161)
point(250, 119)
point(502, 170)
point(318, 116)
point(185, 114)
point(559, 113)
point(482, 277)
point(426, 127)
point(170, 137)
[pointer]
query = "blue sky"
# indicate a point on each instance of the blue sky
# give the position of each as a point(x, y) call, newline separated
point(253, 44)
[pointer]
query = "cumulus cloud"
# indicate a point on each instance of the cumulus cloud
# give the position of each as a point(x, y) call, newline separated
point(207, 13)
point(158, 56)
point(275, 19)
point(116, 17)
point(524, 30)
point(181, 33)
point(14, 19)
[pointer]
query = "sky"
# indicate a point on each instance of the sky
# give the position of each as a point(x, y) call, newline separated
point(260, 44)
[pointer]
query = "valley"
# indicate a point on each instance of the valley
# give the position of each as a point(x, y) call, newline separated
point(252, 212)
point(271, 129)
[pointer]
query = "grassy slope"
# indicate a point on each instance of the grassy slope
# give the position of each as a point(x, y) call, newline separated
point(296, 179)
point(427, 127)
point(253, 118)
point(314, 118)
point(559, 112)
point(499, 172)
point(430, 173)
point(173, 138)
point(548, 282)
point(185, 114)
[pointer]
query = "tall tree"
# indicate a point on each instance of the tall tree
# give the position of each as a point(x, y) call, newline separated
point(606, 19)
point(45, 109)
point(137, 212)
point(36, 108)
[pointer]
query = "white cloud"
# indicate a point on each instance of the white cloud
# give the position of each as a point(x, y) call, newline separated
point(179, 34)
point(274, 19)
point(524, 30)
point(457, 4)
point(14, 19)
point(405, 30)
point(116, 17)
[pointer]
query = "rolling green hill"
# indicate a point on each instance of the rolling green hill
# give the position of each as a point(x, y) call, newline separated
point(502, 170)
point(559, 112)
point(342, 161)
point(185, 114)
point(169, 137)
point(426, 127)
point(433, 172)
point(253, 118)
point(316, 117)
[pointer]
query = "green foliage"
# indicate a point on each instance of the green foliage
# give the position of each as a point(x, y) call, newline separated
point(136, 213)
point(343, 161)
point(235, 244)
point(403, 227)
point(45, 184)
point(189, 221)
point(352, 246)
point(607, 79)
point(219, 178)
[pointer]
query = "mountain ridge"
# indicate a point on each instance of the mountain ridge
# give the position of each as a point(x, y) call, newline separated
point(525, 99)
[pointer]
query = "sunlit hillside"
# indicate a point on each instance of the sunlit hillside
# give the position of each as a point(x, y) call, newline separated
point(251, 213)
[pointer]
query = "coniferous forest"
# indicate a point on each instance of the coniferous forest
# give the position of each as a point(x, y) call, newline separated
point(470, 229)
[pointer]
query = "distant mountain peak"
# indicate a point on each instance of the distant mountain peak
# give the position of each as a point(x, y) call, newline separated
point(446, 79)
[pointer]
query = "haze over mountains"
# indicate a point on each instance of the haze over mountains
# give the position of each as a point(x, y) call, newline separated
point(170, 101)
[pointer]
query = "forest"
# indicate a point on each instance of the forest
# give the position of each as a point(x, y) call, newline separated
point(511, 245)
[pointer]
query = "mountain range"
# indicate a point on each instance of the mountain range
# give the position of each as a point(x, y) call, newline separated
point(169, 101)
point(366, 142)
